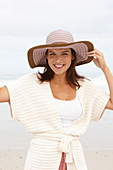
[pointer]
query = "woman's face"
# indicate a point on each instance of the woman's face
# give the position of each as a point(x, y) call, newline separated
point(59, 60)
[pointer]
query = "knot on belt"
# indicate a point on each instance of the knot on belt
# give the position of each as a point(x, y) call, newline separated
point(66, 146)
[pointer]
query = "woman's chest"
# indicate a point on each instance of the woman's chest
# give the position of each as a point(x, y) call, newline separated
point(63, 92)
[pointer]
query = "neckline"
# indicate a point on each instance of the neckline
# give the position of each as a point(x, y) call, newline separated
point(61, 99)
point(75, 121)
point(65, 101)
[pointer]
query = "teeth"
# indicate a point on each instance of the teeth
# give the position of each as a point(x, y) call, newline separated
point(59, 65)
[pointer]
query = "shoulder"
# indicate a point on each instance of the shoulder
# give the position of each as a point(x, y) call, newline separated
point(28, 77)
point(88, 87)
point(84, 82)
point(90, 84)
point(87, 82)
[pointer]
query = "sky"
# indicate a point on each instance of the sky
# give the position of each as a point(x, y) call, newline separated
point(26, 23)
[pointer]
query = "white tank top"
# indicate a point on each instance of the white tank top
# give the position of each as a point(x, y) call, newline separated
point(69, 110)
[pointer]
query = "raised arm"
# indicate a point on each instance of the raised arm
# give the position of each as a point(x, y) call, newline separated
point(100, 62)
point(4, 95)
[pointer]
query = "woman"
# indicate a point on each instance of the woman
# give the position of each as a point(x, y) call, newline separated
point(56, 106)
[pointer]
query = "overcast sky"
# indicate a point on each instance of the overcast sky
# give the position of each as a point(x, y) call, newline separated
point(26, 23)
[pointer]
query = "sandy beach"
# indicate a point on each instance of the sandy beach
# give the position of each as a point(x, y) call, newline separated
point(95, 159)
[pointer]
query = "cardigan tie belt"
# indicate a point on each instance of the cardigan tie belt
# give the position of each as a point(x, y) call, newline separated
point(67, 144)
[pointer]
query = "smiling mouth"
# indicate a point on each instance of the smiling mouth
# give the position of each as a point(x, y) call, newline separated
point(59, 66)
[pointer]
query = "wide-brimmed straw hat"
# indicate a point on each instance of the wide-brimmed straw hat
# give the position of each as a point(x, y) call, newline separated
point(59, 39)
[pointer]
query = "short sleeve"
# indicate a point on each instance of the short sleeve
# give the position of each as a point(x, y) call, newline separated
point(101, 97)
point(16, 92)
point(10, 86)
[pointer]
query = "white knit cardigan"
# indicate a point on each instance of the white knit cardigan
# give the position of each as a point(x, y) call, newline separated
point(32, 104)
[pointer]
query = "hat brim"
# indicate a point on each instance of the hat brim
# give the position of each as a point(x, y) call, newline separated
point(36, 55)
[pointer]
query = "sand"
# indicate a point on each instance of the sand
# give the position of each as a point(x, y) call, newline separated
point(99, 159)
point(12, 159)
point(95, 159)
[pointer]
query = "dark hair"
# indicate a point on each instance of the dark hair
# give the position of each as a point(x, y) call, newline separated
point(71, 75)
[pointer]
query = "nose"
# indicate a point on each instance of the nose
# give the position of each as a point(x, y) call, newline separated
point(58, 58)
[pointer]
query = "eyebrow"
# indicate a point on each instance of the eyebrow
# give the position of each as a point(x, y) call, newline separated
point(65, 51)
point(62, 51)
point(51, 51)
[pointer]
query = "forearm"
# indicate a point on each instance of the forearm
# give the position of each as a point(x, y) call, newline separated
point(109, 78)
point(4, 95)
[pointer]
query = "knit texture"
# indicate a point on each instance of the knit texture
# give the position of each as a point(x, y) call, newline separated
point(32, 104)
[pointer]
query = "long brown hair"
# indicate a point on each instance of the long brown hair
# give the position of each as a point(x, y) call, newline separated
point(72, 76)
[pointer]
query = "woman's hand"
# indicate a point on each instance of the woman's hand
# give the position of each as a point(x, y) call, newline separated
point(99, 58)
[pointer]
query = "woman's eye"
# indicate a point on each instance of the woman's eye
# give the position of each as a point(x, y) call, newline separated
point(52, 54)
point(64, 54)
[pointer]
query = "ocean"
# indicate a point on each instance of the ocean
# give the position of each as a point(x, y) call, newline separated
point(13, 135)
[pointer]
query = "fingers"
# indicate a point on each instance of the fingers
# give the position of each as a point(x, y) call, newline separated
point(94, 53)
